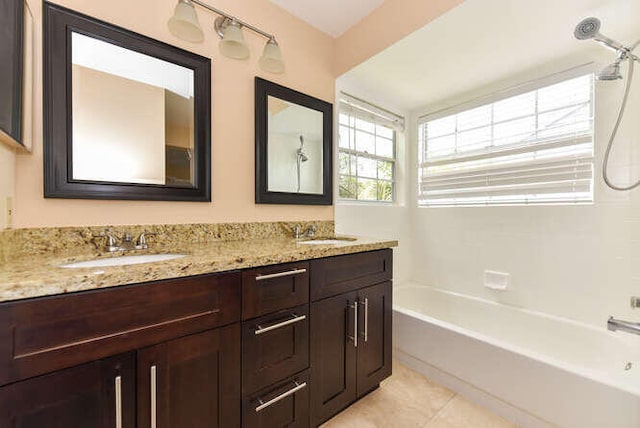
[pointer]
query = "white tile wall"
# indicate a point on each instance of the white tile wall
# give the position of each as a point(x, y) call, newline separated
point(580, 262)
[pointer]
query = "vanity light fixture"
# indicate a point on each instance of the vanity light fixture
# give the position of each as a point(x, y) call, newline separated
point(184, 24)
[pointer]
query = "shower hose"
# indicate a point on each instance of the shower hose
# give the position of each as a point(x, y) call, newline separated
point(607, 153)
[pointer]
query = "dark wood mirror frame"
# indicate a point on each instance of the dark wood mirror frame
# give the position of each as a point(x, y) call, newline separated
point(264, 89)
point(11, 69)
point(59, 22)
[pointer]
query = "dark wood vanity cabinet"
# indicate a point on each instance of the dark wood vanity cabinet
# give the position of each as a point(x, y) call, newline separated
point(180, 365)
point(270, 347)
point(188, 382)
point(350, 332)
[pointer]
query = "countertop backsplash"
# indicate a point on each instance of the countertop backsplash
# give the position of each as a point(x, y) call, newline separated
point(86, 240)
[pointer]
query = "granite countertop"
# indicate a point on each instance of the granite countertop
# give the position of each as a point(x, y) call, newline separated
point(41, 275)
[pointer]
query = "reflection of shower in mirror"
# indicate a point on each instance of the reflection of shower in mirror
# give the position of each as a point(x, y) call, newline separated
point(300, 157)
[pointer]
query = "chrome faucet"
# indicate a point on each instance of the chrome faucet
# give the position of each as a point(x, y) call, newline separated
point(128, 244)
point(142, 240)
point(112, 242)
point(309, 233)
point(626, 326)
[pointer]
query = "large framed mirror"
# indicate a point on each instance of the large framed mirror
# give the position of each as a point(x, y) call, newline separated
point(294, 146)
point(125, 116)
point(11, 70)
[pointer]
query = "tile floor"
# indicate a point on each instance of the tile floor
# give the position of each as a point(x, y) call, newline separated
point(409, 400)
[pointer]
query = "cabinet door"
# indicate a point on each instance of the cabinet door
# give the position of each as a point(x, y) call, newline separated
point(191, 382)
point(100, 394)
point(333, 355)
point(374, 346)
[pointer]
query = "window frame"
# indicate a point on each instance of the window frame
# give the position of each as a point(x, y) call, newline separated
point(354, 113)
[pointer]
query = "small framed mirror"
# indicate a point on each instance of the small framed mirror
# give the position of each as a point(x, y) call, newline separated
point(125, 116)
point(294, 146)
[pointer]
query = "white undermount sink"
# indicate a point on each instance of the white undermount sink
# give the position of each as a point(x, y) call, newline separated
point(327, 241)
point(123, 260)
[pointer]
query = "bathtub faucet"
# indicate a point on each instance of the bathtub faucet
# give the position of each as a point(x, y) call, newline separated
point(630, 327)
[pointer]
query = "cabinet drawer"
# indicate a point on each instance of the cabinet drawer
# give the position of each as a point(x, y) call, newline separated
point(272, 288)
point(274, 347)
point(335, 275)
point(42, 335)
point(285, 405)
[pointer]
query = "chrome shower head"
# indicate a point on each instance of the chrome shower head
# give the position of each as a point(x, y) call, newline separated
point(610, 72)
point(589, 28)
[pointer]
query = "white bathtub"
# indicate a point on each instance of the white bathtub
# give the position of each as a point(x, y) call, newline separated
point(534, 369)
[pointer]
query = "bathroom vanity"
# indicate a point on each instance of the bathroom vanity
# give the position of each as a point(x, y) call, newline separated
point(281, 345)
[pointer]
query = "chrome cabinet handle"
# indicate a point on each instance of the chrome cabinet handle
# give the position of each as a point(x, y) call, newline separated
point(154, 396)
point(295, 319)
point(296, 388)
point(365, 303)
point(118, 382)
point(279, 274)
point(355, 323)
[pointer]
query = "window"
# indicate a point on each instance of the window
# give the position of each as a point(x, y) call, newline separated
point(367, 151)
point(534, 147)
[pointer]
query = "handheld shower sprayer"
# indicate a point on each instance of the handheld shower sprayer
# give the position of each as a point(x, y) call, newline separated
point(300, 152)
point(300, 157)
point(589, 28)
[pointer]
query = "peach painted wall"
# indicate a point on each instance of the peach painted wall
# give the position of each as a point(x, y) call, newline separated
point(309, 60)
point(387, 24)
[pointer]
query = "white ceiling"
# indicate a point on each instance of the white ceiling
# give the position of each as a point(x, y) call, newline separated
point(333, 17)
point(481, 42)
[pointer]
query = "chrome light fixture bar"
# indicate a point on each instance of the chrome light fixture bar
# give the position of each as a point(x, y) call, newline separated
point(184, 24)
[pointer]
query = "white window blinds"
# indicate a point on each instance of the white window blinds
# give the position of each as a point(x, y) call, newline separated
point(535, 147)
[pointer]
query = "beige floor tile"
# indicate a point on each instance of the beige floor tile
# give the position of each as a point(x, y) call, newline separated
point(460, 413)
point(405, 400)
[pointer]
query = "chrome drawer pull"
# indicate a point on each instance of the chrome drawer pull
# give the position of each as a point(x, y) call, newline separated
point(279, 274)
point(154, 396)
point(365, 303)
point(296, 388)
point(355, 323)
point(295, 319)
point(118, 382)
